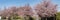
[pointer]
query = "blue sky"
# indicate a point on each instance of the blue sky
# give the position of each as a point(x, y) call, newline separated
point(9, 3)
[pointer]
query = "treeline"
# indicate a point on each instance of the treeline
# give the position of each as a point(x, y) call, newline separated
point(44, 9)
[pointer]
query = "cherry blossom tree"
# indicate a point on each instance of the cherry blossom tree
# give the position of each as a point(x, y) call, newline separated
point(46, 8)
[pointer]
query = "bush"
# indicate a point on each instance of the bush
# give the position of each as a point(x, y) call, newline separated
point(3, 17)
point(16, 17)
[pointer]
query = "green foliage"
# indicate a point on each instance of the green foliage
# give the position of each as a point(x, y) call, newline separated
point(3, 17)
point(58, 15)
